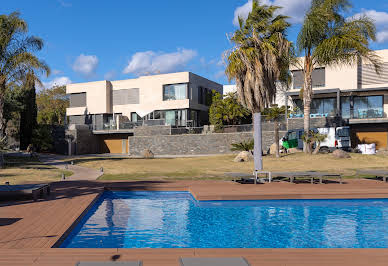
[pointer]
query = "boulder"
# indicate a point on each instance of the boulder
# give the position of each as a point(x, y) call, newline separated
point(244, 156)
point(272, 149)
point(147, 154)
point(293, 150)
point(341, 154)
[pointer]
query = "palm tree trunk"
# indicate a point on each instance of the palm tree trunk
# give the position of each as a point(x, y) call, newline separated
point(257, 150)
point(317, 147)
point(307, 98)
point(276, 129)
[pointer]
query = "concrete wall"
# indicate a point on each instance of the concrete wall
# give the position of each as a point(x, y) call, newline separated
point(194, 144)
point(152, 131)
point(83, 140)
point(98, 98)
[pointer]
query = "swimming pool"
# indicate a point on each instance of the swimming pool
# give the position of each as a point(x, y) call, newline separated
point(177, 220)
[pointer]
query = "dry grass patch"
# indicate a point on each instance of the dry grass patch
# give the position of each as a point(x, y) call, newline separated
point(215, 167)
point(22, 170)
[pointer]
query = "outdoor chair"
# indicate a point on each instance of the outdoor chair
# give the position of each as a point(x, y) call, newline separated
point(214, 262)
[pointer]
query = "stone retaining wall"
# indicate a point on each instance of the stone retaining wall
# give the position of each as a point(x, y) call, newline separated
point(194, 144)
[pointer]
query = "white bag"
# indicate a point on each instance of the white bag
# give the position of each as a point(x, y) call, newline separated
point(369, 149)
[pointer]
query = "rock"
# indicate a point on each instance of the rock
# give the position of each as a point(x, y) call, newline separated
point(293, 150)
point(272, 149)
point(147, 154)
point(244, 156)
point(341, 154)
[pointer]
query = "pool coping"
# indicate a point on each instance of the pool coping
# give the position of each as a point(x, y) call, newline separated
point(42, 224)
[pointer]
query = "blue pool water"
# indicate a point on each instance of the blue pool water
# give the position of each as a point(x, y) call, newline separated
point(177, 220)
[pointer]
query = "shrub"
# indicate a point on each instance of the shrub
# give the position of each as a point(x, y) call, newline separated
point(246, 145)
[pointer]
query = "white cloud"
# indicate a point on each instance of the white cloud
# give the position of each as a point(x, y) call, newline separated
point(85, 65)
point(151, 62)
point(59, 81)
point(382, 36)
point(381, 21)
point(295, 9)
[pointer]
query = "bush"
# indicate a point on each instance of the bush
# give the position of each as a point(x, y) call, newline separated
point(246, 145)
point(42, 138)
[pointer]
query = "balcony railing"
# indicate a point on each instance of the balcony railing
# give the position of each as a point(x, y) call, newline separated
point(368, 113)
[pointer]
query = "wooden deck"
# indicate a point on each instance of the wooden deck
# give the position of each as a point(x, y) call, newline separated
point(29, 229)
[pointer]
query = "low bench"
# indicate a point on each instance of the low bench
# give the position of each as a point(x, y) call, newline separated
point(35, 190)
point(307, 175)
point(375, 173)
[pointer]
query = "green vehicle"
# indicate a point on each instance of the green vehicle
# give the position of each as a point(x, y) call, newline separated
point(290, 140)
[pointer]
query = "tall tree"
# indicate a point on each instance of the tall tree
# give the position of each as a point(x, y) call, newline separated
point(16, 56)
point(52, 104)
point(275, 114)
point(257, 62)
point(28, 114)
point(227, 111)
point(327, 38)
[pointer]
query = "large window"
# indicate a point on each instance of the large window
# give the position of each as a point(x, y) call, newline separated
point(324, 107)
point(319, 107)
point(176, 117)
point(318, 78)
point(78, 99)
point(175, 92)
point(135, 117)
point(345, 107)
point(368, 107)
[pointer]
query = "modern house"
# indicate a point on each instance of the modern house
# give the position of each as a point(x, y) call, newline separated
point(349, 95)
point(111, 109)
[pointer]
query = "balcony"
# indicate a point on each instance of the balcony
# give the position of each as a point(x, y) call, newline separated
point(368, 113)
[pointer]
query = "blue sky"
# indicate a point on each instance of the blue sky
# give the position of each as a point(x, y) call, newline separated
point(95, 40)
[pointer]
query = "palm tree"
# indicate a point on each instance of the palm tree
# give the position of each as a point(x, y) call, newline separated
point(275, 114)
point(16, 59)
point(327, 38)
point(257, 61)
point(16, 56)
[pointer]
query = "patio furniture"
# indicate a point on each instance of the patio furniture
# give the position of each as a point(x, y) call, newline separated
point(214, 262)
point(376, 173)
point(292, 176)
point(110, 263)
point(35, 190)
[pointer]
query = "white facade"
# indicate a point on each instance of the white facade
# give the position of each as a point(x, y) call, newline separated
point(142, 96)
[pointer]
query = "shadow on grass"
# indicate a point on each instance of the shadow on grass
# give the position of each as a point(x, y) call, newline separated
point(72, 189)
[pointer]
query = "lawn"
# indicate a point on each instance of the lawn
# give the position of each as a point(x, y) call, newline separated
point(22, 170)
point(215, 167)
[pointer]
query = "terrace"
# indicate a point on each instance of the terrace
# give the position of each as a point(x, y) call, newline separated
point(30, 229)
